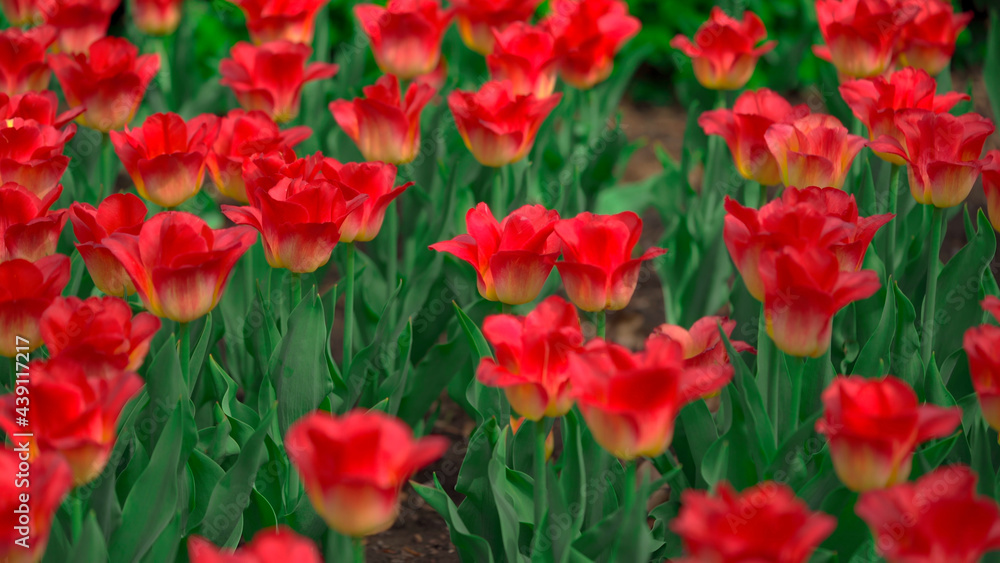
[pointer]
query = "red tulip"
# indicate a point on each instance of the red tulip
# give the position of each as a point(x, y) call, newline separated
point(123, 213)
point(274, 20)
point(405, 35)
point(28, 229)
point(942, 153)
point(765, 522)
point(980, 344)
point(937, 518)
point(165, 157)
point(477, 20)
point(512, 258)
point(525, 56)
point(589, 33)
point(23, 12)
point(498, 126)
point(928, 40)
point(98, 333)
point(179, 265)
point(597, 268)
point(241, 134)
point(264, 171)
point(991, 185)
point(874, 425)
point(815, 150)
point(825, 217)
point(37, 106)
point(80, 22)
point(743, 129)
point(860, 35)
point(110, 83)
point(725, 52)
point(270, 77)
point(157, 17)
point(31, 154)
point(354, 466)
point(630, 400)
point(384, 125)
point(374, 180)
point(23, 67)
point(26, 290)
point(532, 365)
point(48, 484)
point(876, 102)
point(268, 545)
point(74, 413)
point(701, 346)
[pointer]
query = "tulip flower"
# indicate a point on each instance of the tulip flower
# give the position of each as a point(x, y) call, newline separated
point(513, 257)
point(28, 229)
point(374, 180)
point(597, 268)
point(80, 23)
point(825, 217)
point(23, 66)
point(525, 56)
point(242, 134)
point(385, 125)
point(589, 33)
point(630, 400)
point(26, 290)
point(123, 213)
point(405, 35)
point(873, 427)
point(264, 171)
point(271, 544)
point(36, 106)
point(942, 153)
point(49, 483)
point(499, 127)
point(99, 333)
point(23, 12)
point(157, 17)
point(980, 344)
point(532, 365)
point(743, 129)
point(929, 38)
point(75, 413)
point(991, 185)
point(815, 150)
point(765, 522)
point(110, 83)
point(354, 466)
point(275, 20)
point(860, 35)
point(724, 52)
point(877, 101)
point(938, 517)
point(477, 20)
point(31, 154)
point(179, 265)
point(270, 77)
point(165, 157)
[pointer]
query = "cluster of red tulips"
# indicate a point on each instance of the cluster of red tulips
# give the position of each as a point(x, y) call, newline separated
point(105, 421)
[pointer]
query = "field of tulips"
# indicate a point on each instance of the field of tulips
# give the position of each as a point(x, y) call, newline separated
point(333, 281)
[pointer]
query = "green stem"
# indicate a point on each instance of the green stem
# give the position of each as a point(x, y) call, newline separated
point(933, 269)
point(75, 517)
point(107, 179)
point(184, 340)
point(506, 309)
point(296, 289)
point(602, 322)
point(165, 77)
point(763, 195)
point(796, 366)
point(540, 491)
point(359, 550)
point(348, 310)
point(766, 355)
point(890, 263)
point(628, 500)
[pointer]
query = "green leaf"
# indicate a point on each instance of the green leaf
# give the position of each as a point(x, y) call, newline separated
point(200, 350)
point(716, 461)
point(906, 362)
point(875, 355)
point(759, 426)
point(91, 546)
point(204, 474)
point(471, 547)
point(475, 336)
point(166, 387)
point(508, 517)
point(430, 377)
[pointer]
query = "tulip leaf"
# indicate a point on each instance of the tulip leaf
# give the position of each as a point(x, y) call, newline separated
point(716, 461)
point(906, 362)
point(197, 360)
point(166, 387)
point(470, 546)
point(368, 365)
point(204, 474)
point(508, 520)
point(226, 388)
point(166, 546)
point(875, 355)
point(752, 404)
point(573, 478)
point(697, 434)
point(394, 385)
point(475, 336)
point(91, 546)
point(430, 376)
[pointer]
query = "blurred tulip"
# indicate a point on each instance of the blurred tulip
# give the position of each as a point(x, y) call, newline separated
point(743, 129)
point(525, 56)
point(860, 35)
point(765, 522)
point(26, 290)
point(513, 257)
point(268, 545)
point(942, 153)
point(28, 229)
point(23, 12)
point(532, 358)
point(274, 20)
point(938, 517)
point(385, 125)
point(991, 185)
point(354, 466)
point(123, 213)
point(165, 157)
point(270, 77)
point(374, 180)
point(23, 66)
point(980, 344)
point(80, 23)
point(31, 155)
point(873, 427)
point(928, 40)
point(477, 20)
point(725, 52)
point(37, 106)
point(405, 35)
point(597, 268)
point(110, 83)
point(157, 17)
point(815, 150)
point(49, 483)
point(178, 264)
point(589, 33)
point(876, 102)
